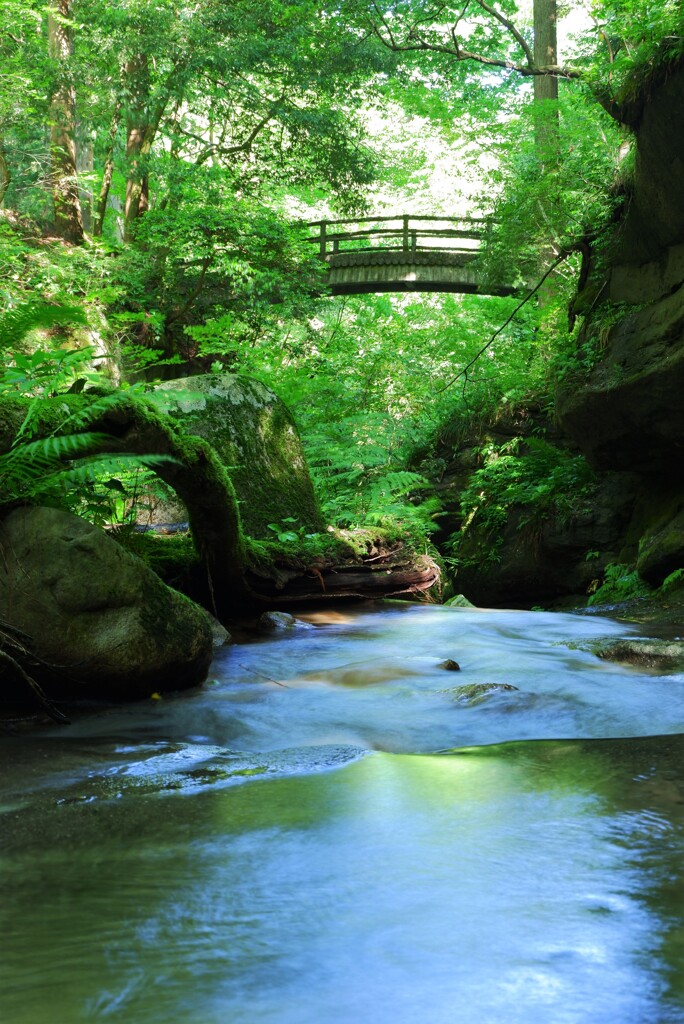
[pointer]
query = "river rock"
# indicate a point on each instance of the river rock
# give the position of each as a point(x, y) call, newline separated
point(276, 622)
point(476, 693)
point(101, 620)
point(255, 437)
point(650, 653)
point(459, 601)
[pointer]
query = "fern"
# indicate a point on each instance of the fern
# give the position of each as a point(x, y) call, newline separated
point(92, 470)
point(16, 323)
point(22, 468)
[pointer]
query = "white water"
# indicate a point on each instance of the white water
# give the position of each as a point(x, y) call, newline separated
point(324, 834)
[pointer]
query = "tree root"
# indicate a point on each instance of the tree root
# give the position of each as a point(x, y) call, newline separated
point(15, 639)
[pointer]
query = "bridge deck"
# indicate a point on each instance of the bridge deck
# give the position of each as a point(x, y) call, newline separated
point(404, 253)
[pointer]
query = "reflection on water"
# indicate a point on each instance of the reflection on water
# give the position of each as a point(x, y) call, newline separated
point(186, 862)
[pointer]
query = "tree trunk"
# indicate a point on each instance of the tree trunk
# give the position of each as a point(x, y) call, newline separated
point(546, 86)
point(86, 164)
point(194, 472)
point(144, 116)
point(64, 174)
point(5, 173)
point(102, 199)
point(137, 148)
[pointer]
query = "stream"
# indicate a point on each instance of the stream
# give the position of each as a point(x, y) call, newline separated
point(330, 831)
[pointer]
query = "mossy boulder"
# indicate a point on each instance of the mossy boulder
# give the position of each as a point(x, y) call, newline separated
point(255, 437)
point(99, 622)
point(661, 547)
point(661, 655)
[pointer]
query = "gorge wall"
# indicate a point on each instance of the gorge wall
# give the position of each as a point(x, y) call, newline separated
point(626, 415)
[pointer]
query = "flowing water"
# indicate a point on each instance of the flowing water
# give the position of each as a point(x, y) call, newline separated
point(330, 832)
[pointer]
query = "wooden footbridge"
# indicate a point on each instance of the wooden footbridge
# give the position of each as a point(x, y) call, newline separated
point(404, 254)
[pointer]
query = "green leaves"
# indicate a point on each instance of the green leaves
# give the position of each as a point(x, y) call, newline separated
point(16, 323)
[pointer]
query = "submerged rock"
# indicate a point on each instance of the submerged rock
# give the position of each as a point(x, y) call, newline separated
point(450, 665)
point(99, 621)
point(476, 693)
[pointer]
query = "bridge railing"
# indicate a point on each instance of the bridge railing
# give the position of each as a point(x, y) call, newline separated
point(403, 233)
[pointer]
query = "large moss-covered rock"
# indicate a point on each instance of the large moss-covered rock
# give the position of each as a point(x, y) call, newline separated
point(99, 621)
point(255, 436)
point(661, 545)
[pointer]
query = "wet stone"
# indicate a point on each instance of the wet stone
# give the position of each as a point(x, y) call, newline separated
point(276, 622)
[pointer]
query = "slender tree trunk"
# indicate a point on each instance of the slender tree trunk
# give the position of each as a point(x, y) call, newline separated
point(144, 116)
point(67, 206)
point(101, 205)
point(86, 164)
point(139, 137)
point(546, 86)
point(5, 173)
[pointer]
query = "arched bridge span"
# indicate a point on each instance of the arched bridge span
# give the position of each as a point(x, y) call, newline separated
point(404, 253)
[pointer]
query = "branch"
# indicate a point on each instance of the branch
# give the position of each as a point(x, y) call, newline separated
point(414, 43)
point(510, 27)
point(241, 147)
point(48, 707)
point(520, 305)
point(193, 294)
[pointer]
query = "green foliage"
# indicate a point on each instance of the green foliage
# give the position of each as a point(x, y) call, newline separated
point(549, 202)
point(17, 322)
point(620, 583)
point(672, 583)
point(629, 43)
point(532, 479)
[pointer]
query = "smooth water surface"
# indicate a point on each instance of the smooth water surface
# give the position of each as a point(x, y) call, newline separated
point(330, 832)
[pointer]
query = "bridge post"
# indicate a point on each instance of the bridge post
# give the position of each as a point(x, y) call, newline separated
point(323, 240)
point(406, 234)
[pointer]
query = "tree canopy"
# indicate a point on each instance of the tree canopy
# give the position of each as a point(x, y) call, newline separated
point(158, 163)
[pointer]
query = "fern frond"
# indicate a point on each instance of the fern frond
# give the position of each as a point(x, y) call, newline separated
point(55, 448)
point(23, 468)
point(91, 470)
point(16, 323)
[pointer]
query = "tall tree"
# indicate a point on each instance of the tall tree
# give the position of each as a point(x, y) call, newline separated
point(68, 218)
point(546, 86)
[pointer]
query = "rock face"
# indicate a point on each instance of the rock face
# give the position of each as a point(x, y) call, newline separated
point(101, 621)
point(255, 437)
point(534, 556)
point(629, 414)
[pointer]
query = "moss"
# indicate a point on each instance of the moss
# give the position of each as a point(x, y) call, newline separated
point(193, 470)
point(255, 437)
point(173, 558)
point(186, 631)
point(332, 547)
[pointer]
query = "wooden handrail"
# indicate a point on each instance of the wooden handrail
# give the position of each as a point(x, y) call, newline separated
point(407, 228)
point(390, 232)
point(465, 219)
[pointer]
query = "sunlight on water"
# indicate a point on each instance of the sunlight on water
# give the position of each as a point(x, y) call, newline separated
point(290, 849)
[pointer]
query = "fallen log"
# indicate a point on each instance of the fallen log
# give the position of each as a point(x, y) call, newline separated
point(372, 578)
